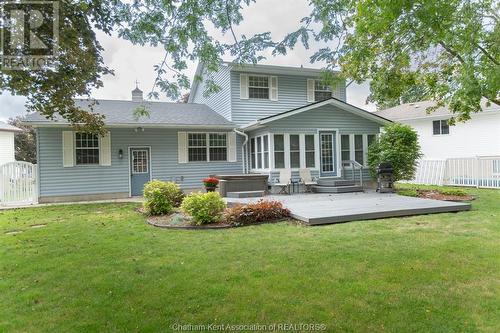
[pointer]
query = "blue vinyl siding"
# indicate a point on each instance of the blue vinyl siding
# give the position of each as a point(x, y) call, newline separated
point(292, 93)
point(221, 101)
point(55, 180)
point(326, 117)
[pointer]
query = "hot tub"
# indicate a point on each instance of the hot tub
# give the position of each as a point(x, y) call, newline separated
point(240, 183)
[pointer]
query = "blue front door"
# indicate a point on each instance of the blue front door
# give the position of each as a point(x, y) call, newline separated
point(327, 144)
point(140, 171)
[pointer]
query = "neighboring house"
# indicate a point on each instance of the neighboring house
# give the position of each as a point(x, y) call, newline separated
point(7, 149)
point(479, 136)
point(265, 118)
point(464, 154)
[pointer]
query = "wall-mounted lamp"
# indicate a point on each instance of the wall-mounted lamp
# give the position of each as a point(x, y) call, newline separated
point(120, 154)
point(139, 129)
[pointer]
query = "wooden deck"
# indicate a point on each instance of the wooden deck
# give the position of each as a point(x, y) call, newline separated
point(316, 209)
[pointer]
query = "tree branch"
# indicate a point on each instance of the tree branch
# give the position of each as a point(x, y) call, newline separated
point(487, 54)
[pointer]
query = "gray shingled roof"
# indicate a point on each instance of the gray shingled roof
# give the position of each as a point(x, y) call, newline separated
point(9, 128)
point(419, 110)
point(160, 113)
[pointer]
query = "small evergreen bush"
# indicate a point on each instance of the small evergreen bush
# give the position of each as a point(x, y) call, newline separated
point(204, 207)
point(161, 197)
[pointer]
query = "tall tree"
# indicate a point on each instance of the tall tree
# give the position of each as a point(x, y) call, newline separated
point(25, 141)
point(449, 48)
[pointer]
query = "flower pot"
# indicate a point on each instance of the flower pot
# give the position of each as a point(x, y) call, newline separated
point(210, 188)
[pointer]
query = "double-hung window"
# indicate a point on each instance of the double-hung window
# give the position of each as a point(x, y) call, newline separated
point(258, 87)
point(206, 147)
point(322, 91)
point(218, 146)
point(86, 148)
point(440, 127)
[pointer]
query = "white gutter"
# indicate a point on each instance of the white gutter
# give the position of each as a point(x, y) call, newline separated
point(243, 159)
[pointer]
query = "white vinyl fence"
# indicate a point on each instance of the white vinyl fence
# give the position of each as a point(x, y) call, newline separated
point(481, 171)
point(18, 184)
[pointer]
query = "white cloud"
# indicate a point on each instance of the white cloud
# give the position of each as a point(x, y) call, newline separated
point(132, 63)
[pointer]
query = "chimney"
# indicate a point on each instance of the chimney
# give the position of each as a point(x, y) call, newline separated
point(137, 95)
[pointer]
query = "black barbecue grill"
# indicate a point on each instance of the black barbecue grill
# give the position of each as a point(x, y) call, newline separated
point(385, 178)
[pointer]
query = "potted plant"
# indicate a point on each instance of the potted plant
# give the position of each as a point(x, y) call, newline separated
point(210, 184)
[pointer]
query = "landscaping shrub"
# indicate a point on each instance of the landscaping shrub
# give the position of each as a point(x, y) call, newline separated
point(161, 197)
point(398, 144)
point(408, 192)
point(453, 191)
point(204, 207)
point(261, 211)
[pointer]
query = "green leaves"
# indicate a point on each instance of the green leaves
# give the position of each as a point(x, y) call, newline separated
point(398, 144)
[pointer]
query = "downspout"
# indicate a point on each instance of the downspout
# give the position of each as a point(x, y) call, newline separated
point(243, 157)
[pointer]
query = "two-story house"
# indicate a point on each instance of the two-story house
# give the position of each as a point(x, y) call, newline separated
point(263, 119)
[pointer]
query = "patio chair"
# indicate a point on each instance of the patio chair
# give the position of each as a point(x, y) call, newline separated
point(307, 179)
point(284, 181)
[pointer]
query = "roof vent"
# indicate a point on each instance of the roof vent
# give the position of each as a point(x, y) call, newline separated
point(137, 95)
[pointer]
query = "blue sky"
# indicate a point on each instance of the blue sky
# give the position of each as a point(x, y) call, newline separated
point(132, 63)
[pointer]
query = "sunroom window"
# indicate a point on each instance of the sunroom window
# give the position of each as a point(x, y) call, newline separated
point(294, 151)
point(279, 151)
point(345, 147)
point(259, 151)
point(310, 151)
point(358, 149)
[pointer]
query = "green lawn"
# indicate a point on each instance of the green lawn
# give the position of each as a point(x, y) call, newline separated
point(100, 267)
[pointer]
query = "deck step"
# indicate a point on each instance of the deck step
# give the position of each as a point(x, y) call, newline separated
point(245, 194)
point(335, 182)
point(338, 189)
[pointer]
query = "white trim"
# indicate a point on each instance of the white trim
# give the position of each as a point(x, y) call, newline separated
point(273, 88)
point(129, 165)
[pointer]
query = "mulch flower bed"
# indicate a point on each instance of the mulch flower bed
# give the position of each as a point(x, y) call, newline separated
point(178, 220)
point(436, 195)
